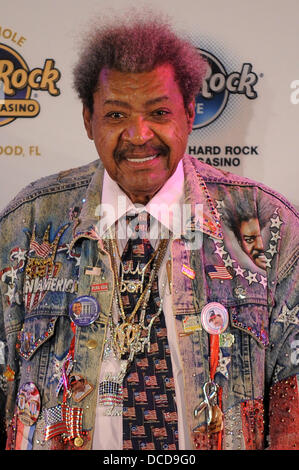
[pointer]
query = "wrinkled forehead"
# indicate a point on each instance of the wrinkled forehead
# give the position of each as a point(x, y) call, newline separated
point(159, 82)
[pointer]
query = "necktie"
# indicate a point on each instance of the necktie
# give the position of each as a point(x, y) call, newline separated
point(149, 409)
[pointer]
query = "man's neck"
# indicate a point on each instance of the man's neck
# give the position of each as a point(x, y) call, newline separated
point(141, 199)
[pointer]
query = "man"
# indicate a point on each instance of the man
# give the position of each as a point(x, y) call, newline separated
point(77, 308)
point(241, 217)
point(251, 241)
point(155, 376)
point(216, 320)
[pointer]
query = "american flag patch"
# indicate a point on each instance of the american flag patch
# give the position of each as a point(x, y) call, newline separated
point(138, 250)
point(150, 415)
point(142, 363)
point(154, 348)
point(169, 382)
point(133, 377)
point(160, 432)
point(126, 300)
point(127, 445)
point(138, 431)
point(218, 272)
point(147, 446)
point(170, 447)
point(160, 364)
point(54, 422)
point(140, 397)
point(42, 250)
point(150, 381)
point(110, 393)
point(161, 400)
point(63, 419)
point(170, 416)
point(129, 412)
point(161, 332)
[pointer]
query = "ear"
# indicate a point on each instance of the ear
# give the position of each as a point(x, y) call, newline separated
point(87, 118)
point(190, 113)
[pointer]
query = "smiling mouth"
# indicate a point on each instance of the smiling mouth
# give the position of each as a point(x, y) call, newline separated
point(138, 154)
point(142, 160)
point(260, 255)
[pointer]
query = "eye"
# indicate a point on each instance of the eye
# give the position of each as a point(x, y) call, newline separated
point(160, 112)
point(249, 239)
point(114, 115)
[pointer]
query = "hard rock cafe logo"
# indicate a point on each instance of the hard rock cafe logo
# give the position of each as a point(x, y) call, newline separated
point(218, 86)
point(17, 82)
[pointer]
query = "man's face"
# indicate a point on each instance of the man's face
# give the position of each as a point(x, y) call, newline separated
point(77, 308)
point(216, 320)
point(252, 243)
point(140, 128)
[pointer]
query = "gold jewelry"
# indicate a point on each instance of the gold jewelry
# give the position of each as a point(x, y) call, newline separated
point(128, 336)
point(133, 285)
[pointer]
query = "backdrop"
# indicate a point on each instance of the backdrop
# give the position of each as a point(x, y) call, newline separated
point(246, 117)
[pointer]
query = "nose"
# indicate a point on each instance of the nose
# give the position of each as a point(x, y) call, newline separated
point(137, 131)
point(258, 244)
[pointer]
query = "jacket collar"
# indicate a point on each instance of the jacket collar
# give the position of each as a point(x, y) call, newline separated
point(204, 216)
point(86, 226)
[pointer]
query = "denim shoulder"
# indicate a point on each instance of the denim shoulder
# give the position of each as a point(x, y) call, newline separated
point(58, 182)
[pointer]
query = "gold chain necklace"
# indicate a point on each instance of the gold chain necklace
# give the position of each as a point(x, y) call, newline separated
point(133, 286)
point(129, 337)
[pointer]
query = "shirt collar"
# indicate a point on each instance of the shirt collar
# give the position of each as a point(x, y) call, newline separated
point(115, 203)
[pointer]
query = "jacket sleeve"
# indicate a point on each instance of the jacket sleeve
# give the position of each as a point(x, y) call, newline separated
point(2, 379)
point(283, 352)
point(11, 319)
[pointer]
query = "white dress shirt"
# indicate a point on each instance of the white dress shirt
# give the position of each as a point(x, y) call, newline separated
point(115, 203)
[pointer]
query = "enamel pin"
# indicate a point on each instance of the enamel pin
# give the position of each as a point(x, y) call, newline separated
point(28, 404)
point(214, 318)
point(84, 310)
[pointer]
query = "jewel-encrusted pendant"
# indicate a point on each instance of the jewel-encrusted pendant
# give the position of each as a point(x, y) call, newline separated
point(111, 392)
point(125, 336)
point(132, 286)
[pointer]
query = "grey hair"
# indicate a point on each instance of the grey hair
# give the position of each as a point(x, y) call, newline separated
point(134, 46)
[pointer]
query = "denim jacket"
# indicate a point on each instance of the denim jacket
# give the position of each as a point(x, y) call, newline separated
point(48, 249)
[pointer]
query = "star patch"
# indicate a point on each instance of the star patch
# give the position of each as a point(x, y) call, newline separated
point(223, 363)
point(288, 316)
point(251, 277)
point(220, 251)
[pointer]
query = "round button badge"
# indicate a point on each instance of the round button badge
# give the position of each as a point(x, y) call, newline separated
point(214, 318)
point(28, 404)
point(84, 310)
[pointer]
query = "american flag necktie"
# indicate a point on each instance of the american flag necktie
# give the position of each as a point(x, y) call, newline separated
point(149, 408)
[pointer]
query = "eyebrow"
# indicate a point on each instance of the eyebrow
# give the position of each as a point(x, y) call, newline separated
point(117, 103)
point(127, 105)
point(157, 100)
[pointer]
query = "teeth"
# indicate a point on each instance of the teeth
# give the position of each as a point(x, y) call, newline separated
point(141, 160)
